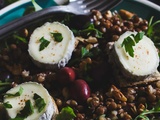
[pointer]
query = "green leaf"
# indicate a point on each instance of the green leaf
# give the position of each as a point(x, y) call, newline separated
point(150, 31)
point(36, 6)
point(128, 44)
point(157, 106)
point(5, 83)
point(84, 51)
point(131, 41)
point(44, 43)
point(66, 113)
point(27, 110)
point(91, 29)
point(7, 105)
point(19, 38)
point(57, 36)
point(39, 102)
point(16, 94)
point(139, 36)
point(155, 109)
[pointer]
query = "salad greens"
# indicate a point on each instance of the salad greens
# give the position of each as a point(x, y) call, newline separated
point(66, 113)
point(43, 43)
point(151, 25)
point(89, 29)
point(4, 83)
point(153, 32)
point(57, 37)
point(7, 105)
point(39, 102)
point(25, 112)
point(131, 41)
point(19, 38)
point(16, 94)
point(143, 115)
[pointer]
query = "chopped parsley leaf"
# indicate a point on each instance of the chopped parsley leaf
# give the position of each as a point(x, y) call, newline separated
point(25, 112)
point(44, 43)
point(131, 41)
point(7, 105)
point(39, 102)
point(16, 94)
point(58, 36)
point(66, 113)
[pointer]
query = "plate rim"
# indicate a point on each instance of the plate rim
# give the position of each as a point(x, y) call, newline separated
point(13, 5)
point(22, 2)
point(149, 4)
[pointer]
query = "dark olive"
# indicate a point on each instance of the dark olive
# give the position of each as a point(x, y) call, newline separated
point(80, 90)
point(65, 75)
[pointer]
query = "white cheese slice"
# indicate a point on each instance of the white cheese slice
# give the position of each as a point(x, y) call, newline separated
point(145, 60)
point(18, 103)
point(56, 54)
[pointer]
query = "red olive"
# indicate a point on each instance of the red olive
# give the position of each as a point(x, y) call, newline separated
point(80, 90)
point(66, 75)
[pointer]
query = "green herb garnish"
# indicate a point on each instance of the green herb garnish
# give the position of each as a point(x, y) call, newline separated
point(26, 111)
point(39, 102)
point(143, 115)
point(4, 83)
point(66, 113)
point(4, 86)
point(44, 43)
point(19, 38)
point(90, 29)
point(7, 105)
point(131, 41)
point(88, 53)
point(16, 94)
point(151, 25)
point(84, 52)
point(57, 36)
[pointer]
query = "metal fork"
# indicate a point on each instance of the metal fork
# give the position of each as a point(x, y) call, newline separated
point(85, 6)
point(78, 7)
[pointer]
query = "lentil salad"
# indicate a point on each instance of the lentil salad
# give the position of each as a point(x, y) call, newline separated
point(90, 66)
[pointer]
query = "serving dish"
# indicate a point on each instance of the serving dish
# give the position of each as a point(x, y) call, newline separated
point(108, 100)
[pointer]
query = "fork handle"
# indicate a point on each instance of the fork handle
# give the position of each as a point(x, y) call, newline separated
point(22, 22)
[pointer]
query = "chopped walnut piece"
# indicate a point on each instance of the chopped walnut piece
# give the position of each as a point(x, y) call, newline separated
point(117, 94)
point(126, 14)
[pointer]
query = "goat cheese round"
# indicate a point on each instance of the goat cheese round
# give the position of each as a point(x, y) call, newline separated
point(145, 60)
point(29, 89)
point(55, 54)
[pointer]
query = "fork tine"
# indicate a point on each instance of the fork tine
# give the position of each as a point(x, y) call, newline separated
point(107, 5)
point(87, 2)
point(101, 5)
point(90, 4)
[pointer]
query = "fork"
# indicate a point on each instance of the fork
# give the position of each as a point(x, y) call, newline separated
point(77, 7)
